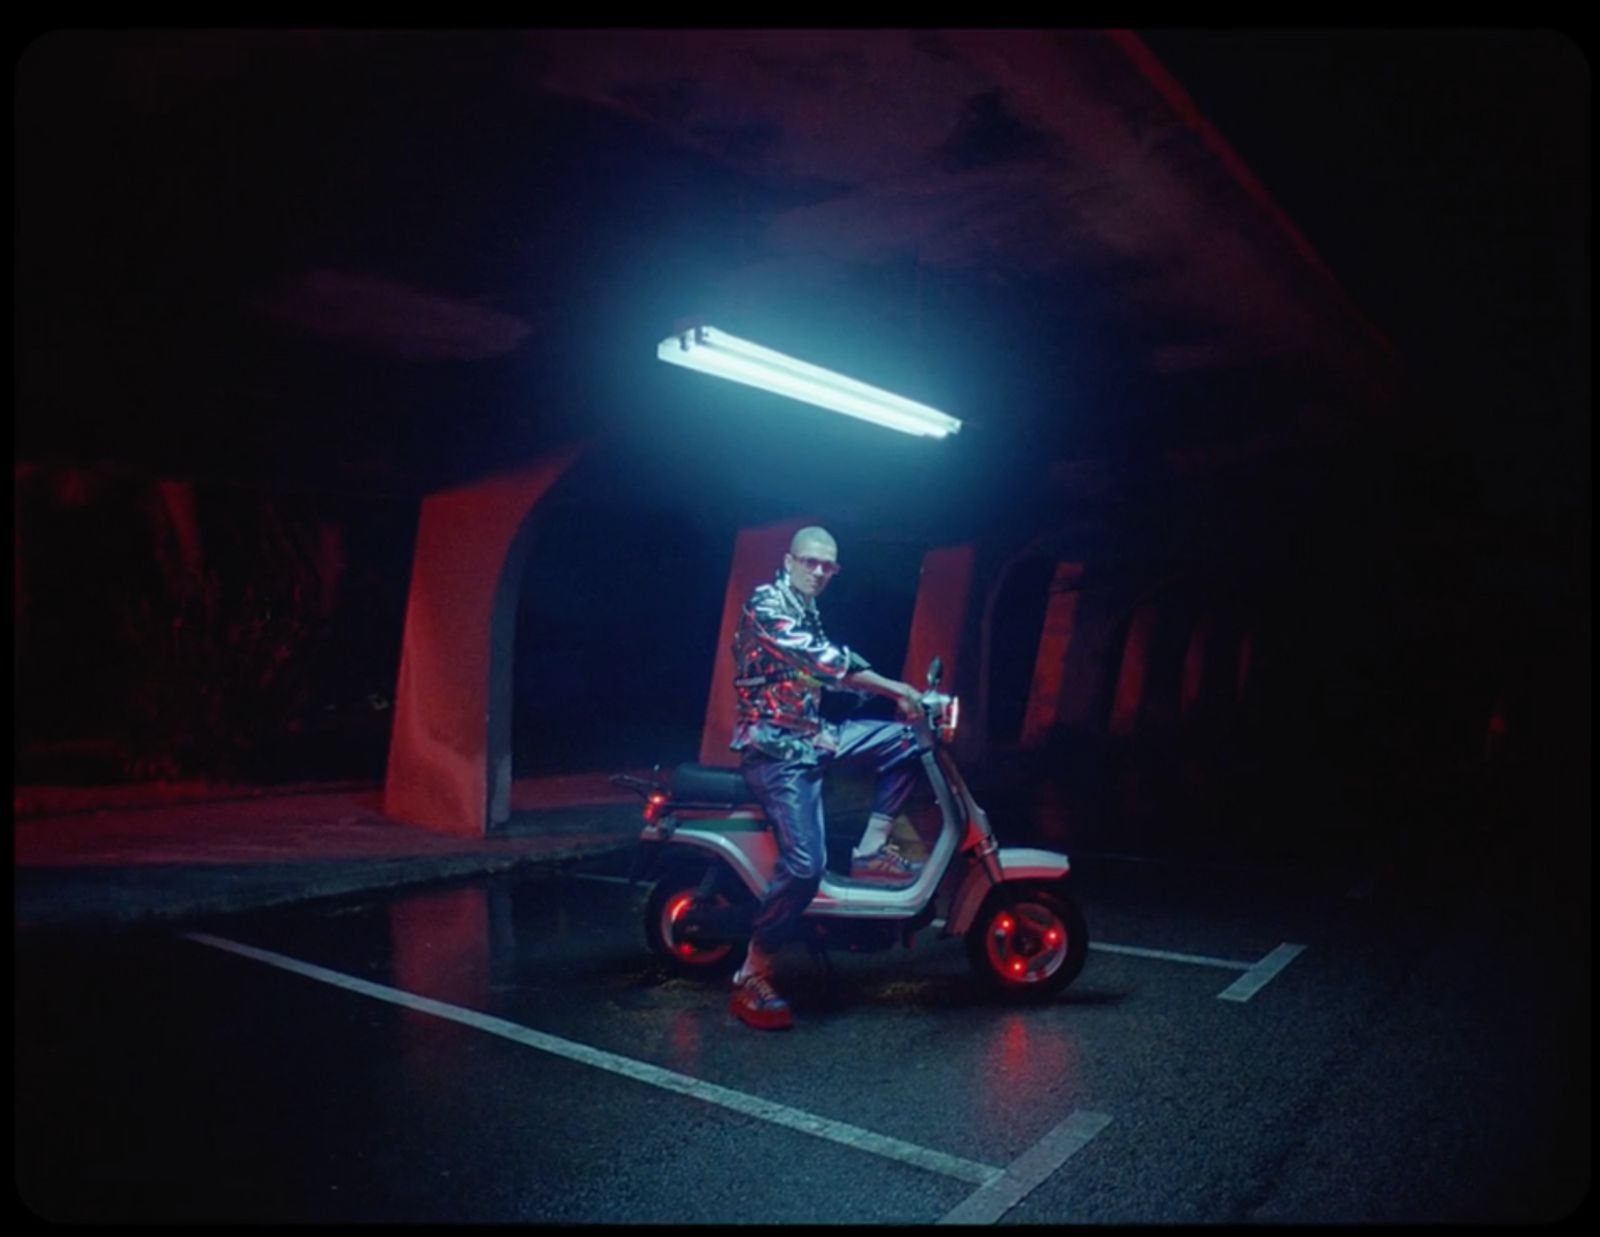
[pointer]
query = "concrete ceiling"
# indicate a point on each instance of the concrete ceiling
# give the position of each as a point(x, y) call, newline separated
point(400, 260)
point(1009, 155)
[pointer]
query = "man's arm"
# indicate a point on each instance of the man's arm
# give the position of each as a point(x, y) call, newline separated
point(907, 698)
point(782, 636)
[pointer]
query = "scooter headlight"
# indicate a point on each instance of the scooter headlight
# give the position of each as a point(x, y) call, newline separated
point(949, 718)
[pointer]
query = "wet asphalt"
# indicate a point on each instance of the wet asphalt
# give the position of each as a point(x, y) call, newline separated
point(1425, 1059)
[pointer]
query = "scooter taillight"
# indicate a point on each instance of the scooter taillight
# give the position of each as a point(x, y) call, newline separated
point(653, 807)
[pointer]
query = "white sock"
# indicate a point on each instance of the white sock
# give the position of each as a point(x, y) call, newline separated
point(877, 834)
point(755, 963)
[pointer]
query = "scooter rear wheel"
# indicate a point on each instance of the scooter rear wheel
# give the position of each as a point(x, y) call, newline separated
point(1028, 942)
point(669, 900)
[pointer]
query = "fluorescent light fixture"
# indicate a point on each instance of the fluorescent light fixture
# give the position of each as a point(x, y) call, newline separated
point(715, 352)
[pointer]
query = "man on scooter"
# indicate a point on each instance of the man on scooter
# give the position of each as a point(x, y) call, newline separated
point(783, 660)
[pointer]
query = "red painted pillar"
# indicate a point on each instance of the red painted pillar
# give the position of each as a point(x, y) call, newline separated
point(1194, 665)
point(1050, 663)
point(938, 621)
point(1130, 680)
point(187, 573)
point(452, 698)
point(1092, 658)
point(1242, 678)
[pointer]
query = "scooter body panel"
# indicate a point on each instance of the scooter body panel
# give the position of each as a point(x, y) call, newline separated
point(743, 841)
point(751, 855)
point(1016, 863)
point(748, 853)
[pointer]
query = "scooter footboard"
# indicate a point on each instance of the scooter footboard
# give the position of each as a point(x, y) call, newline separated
point(1017, 863)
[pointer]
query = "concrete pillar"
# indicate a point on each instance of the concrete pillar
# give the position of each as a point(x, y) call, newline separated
point(939, 619)
point(1133, 672)
point(1090, 659)
point(1045, 694)
point(450, 751)
point(1167, 664)
point(1194, 668)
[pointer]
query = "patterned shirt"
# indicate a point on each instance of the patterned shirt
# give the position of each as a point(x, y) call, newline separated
point(782, 661)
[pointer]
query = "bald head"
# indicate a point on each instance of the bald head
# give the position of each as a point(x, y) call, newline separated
point(809, 540)
point(812, 561)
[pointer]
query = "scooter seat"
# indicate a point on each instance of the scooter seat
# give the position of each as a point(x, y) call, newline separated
point(693, 783)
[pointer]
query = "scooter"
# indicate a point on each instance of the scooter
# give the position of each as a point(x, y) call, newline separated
point(710, 853)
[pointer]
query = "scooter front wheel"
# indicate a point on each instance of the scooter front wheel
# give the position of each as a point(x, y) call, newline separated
point(669, 902)
point(1028, 942)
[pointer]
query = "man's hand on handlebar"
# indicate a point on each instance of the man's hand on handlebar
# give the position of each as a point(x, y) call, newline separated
point(907, 699)
point(908, 702)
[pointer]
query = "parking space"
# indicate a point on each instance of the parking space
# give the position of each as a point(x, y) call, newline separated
point(558, 969)
point(997, 1187)
point(506, 1050)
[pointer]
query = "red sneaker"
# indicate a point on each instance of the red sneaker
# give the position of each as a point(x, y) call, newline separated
point(757, 1004)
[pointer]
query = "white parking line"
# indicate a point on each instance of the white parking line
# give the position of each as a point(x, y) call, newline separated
point(640, 1071)
point(1256, 974)
point(1165, 955)
point(998, 1189)
point(1029, 1170)
point(1259, 975)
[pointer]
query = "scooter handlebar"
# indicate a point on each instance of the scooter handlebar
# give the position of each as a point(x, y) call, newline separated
point(940, 713)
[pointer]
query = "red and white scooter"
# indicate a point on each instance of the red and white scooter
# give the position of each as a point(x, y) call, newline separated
point(708, 848)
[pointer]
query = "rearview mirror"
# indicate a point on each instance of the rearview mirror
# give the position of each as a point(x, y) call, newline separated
point(935, 672)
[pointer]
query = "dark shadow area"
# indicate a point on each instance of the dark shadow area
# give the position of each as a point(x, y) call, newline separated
point(168, 629)
point(616, 626)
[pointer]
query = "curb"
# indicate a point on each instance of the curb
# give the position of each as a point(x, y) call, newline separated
point(56, 899)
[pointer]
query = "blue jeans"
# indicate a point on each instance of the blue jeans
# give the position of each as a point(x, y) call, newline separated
point(790, 791)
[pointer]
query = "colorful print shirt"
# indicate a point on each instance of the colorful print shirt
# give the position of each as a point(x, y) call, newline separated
point(782, 660)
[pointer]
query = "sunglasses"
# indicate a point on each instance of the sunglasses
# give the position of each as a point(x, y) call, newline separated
point(825, 566)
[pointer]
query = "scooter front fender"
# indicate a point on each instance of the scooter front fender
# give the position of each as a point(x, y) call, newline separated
point(1017, 863)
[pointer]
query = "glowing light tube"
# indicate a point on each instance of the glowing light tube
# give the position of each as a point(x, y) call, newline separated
point(714, 352)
